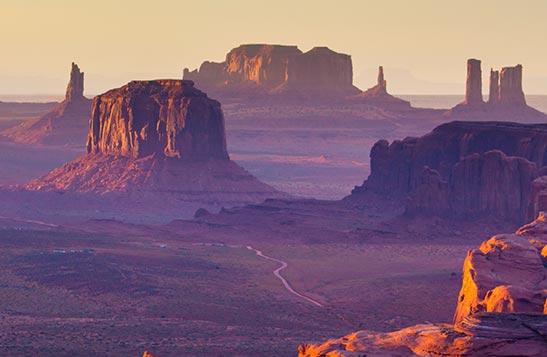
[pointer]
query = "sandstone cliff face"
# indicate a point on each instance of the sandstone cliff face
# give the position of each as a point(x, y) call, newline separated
point(397, 168)
point(501, 308)
point(507, 274)
point(320, 68)
point(275, 69)
point(168, 117)
point(66, 124)
point(264, 65)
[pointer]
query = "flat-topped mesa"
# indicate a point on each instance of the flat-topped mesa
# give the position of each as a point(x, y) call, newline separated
point(473, 88)
point(170, 118)
point(262, 64)
point(486, 184)
point(75, 87)
point(262, 69)
point(245, 67)
point(510, 86)
point(318, 69)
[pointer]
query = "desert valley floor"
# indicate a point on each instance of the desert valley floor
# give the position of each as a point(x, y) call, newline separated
point(193, 287)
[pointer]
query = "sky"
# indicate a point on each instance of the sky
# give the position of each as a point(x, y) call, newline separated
point(422, 44)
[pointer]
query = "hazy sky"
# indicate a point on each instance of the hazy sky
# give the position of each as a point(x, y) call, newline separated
point(423, 44)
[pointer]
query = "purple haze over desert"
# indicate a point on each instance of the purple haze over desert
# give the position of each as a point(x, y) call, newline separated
point(303, 179)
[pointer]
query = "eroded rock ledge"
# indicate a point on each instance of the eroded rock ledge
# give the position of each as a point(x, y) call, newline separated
point(501, 309)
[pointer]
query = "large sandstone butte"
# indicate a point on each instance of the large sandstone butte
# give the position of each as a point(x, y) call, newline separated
point(66, 124)
point(506, 98)
point(501, 311)
point(454, 171)
point(276, 69)
point(379, 97)
point(160, 140)
point(165, 117)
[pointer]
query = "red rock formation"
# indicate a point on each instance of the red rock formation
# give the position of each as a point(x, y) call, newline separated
point(473, 88)
point(66, 123)
point(507, 273)
point(379, 97)
point(275, 69)
point(479, 185)
point(510, 87)
point(397, 168)
point(501, 309)
point(494, 93)
point(160, 142)
point(247, 67)
point(319, 70)
point(75, 88)
point(485, 334)
point(168, 117)
point(538, 197)
point(506, 99)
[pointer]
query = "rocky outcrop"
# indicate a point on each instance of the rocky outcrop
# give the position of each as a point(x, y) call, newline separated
point(506, 99)
point(482, 183)
point(379, 97)
point(493, 95)
point(507, 274)
point(170, 118)
point(160, 142)
point(319, 71)
point(479, 185)
point(510, 87)
point(262, 69)
point(501, 308)
point(473, 87)
point(75, 88)
point(66, 124)
point(538, 196)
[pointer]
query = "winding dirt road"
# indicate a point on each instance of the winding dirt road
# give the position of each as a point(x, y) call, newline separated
point(277, 273)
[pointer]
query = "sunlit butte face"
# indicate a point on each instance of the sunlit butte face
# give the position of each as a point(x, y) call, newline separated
point(422, 44)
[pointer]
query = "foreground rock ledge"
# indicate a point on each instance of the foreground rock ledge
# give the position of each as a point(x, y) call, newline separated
point(501, 309)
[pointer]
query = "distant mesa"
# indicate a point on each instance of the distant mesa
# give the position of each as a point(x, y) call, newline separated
point(506, 97)
point(66, 124)
point(378, 96)
point(465, 170)
point(162, 140)
point(501, 310)
point(262, 69)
